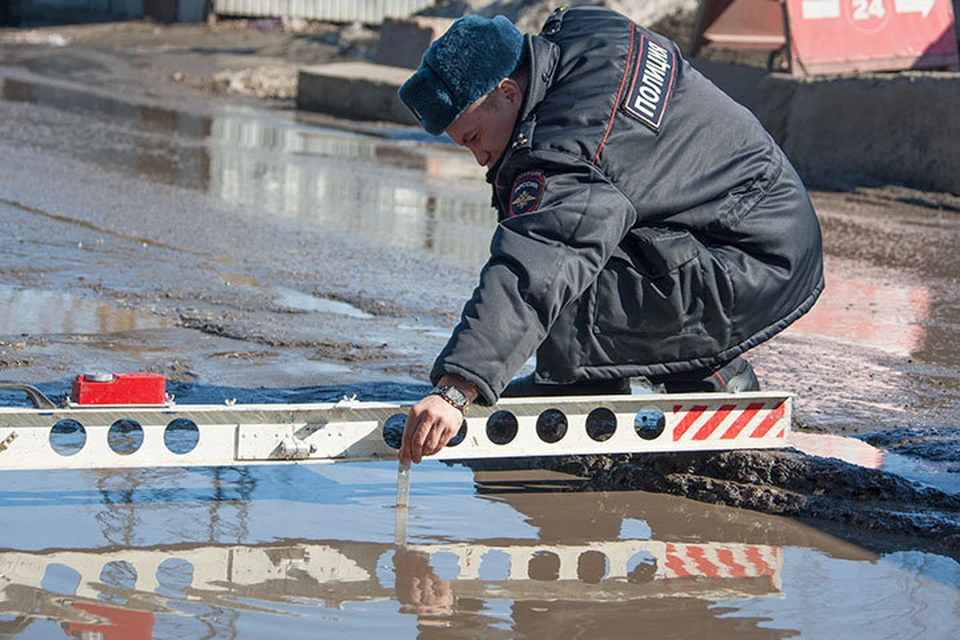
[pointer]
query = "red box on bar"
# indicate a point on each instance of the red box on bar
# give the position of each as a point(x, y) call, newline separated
point(120, 388)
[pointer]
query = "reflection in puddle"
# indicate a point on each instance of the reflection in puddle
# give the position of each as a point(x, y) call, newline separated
point(932, 473)
point(294, 299)
point(870, 312)
point(99, 106)
point(161, 145)
point(310, 552)
point(849, 450)
point(31, 311)
point(392, 191)
point(136, 580)
point(388, 192)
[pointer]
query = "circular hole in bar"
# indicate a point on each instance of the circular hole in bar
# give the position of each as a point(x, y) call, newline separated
point(601, 424)
point(67, 437)
point(592, 566)
point(502, 427)
point(642, 568)
point(649, 423)
point(125, 436)
point(544, 566)
point(118, 574)
point(181, 436)
point(174, 575)
point(551, 425)
point(461, 434)
point(393, 430)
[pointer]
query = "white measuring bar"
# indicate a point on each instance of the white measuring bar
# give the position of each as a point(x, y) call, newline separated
point(89, 437)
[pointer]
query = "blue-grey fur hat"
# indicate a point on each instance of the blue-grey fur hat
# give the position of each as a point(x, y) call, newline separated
point(463, 65)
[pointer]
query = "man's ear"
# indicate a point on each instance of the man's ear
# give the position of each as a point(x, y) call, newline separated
point(511, 91)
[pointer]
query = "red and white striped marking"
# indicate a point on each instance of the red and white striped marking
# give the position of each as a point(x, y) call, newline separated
point(731, 422)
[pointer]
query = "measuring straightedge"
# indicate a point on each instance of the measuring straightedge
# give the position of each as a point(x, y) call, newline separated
point(129, 422)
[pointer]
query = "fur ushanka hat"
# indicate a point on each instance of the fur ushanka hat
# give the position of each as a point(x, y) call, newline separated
point(462, 66)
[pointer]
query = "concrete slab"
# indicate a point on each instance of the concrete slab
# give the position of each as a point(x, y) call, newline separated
point(887, 128)
point(895, 128)
point(838, 131)
point(355, 90)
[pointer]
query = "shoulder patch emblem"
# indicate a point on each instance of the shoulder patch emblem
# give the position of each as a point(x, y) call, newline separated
point(652, 83)
point(526, 193)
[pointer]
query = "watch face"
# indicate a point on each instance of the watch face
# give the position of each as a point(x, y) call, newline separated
point(453, 395)
point(456, 395)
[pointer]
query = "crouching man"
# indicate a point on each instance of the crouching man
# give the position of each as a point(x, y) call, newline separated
point(648, 224)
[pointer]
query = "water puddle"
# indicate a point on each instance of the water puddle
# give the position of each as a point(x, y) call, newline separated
point(870, 311)
point(390, 191)
point(36, 312)
point(940, 475)
point(97, 105)
point(388, 188)
point(311, 552)
point(293, 299)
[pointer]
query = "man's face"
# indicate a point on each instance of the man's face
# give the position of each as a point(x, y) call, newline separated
point(485, 128)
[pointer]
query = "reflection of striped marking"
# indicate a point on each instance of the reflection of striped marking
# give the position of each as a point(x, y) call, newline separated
point(755, 420)
point(720, 561)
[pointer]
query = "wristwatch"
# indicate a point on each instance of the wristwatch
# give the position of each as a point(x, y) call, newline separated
point(452, 395)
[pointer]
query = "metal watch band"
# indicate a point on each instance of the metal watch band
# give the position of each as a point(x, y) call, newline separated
point(454, 396)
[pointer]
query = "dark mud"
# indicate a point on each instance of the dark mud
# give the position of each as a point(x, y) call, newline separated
point(855, 502)
point(793, 484)
point(930, 443)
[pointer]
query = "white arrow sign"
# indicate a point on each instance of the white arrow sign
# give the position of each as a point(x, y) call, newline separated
point(819, 9)
point(914, 6)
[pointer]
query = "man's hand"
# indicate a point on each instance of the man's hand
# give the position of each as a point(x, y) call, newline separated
point(419, 589)
point(432, 423)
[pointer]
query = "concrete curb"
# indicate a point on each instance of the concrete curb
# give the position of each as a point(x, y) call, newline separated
point(901, 128)
point(354, 90)
point(874, 129)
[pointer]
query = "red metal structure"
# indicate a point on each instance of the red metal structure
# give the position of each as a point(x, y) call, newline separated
point(835, 36)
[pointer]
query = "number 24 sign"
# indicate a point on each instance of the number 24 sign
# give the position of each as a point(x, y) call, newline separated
point(832, 36)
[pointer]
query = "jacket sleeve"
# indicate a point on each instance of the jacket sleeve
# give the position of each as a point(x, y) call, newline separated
point(540, 262)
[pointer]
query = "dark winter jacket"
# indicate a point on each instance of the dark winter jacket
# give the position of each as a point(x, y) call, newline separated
point(648, 223)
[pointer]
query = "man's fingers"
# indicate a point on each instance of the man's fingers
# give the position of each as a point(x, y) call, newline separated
point(439, 437)
point(431, 423)
point(418, 429)
point(409, 449)
point(431, 444)
point(423, 429)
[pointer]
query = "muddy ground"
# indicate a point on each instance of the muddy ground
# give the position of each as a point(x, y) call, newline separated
point(77, 218)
